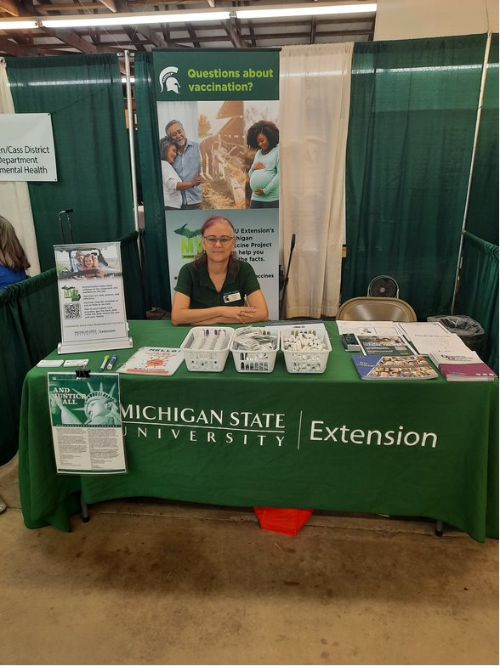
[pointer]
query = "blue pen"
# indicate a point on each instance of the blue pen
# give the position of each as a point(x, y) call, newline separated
point(111, 363)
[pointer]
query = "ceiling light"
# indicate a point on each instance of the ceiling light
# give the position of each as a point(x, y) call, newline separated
point(139, 18)
point(96, 20)
point(18, 24)
point(312, 10)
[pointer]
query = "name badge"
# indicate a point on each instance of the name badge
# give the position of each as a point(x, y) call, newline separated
point(232, 297)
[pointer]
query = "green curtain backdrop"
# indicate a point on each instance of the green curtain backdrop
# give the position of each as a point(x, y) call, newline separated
point(132, 277)
point(24, 307)
point(411, 131)
point(482, 214)
point(156, 277)
point(84, 96)
point(478, 291)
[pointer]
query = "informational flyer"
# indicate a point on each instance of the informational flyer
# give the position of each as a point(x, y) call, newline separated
point(91, 298)
point(162, 361)
point(86, 423)
point(27, 147)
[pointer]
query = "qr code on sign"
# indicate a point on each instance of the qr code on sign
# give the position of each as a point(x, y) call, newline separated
point(72, 311)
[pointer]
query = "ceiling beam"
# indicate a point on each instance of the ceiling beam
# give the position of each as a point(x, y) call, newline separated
point(190, 29)
point(192, 35)
point(312, 36)
point(72, 39)
point(95, 36)
point(144, 30)
point(166, 33)
point(69, 37)
point(110, 4)
point(111, 48)
point(10, 7)
point(68, 7)
point(133, 35)
point(252, 34)
point(289, 23)
point(152, 36)
point(11, 48)
point(234, 35)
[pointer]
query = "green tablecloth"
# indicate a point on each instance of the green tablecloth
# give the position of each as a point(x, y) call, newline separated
point(330, 441)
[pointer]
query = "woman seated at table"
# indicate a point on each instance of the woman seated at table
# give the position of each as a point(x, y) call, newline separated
point(218, 288)
point(13, 260)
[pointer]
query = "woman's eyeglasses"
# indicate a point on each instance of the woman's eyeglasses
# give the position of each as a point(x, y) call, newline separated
point(223, 240)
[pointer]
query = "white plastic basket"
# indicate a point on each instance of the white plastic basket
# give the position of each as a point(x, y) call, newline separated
point(206, 348)
point(258, 360)
point(313, 361)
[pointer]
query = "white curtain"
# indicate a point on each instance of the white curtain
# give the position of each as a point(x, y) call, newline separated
point(314, 102)
point(15, 202)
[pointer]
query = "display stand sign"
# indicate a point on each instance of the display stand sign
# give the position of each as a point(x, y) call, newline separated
point(27, 147)
point(86, 423)
point(209, 118)
point(91, 300)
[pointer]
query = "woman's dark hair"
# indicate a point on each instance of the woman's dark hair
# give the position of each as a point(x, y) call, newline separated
point(166, 145)
point(268, 129)
point(201, 259)
point(12, 254)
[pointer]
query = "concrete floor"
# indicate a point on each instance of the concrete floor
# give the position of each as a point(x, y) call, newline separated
point(164, 583)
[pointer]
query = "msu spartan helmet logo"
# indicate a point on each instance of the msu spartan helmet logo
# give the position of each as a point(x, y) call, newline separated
point(168, 80)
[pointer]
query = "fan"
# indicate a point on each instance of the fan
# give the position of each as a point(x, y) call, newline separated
point(383, 285)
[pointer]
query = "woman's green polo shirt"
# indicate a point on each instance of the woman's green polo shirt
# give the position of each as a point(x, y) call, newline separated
point(194, 281)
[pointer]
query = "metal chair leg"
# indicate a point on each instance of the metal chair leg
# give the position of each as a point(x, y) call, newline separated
point(84, 513)
point(439, 528)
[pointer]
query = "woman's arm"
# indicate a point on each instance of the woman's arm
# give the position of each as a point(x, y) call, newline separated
point(255, 162)
point(257, 300)
point(183, 314)
point(188, 184)
point(274, 182)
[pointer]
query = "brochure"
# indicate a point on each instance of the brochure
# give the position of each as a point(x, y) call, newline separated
point(384, 344)
point(423, 329)
point(368, 327)
point(468, 356)
point(350, 342)
point(162, 361)
point(449, 343)
point(49, 363)
point(467, 372)
point(394, 367)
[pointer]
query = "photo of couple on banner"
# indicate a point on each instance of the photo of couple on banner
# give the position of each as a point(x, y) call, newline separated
point(219, 155)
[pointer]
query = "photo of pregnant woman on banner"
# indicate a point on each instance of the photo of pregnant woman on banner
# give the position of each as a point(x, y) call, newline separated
point(264, 177)
point(219, 155)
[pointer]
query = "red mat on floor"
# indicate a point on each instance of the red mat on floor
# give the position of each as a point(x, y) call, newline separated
point(283, 521)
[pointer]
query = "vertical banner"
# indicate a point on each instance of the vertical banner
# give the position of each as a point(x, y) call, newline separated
point(219, 145)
